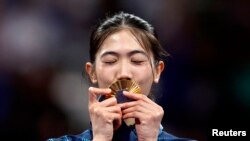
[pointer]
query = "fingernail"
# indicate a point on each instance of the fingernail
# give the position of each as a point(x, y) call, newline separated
point(121, 105)
point(109, 90)
point(91, 89)
point(125, 92)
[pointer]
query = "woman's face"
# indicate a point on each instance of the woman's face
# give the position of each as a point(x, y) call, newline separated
point(122, 56)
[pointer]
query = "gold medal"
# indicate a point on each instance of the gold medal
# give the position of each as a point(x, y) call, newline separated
point(117, 90)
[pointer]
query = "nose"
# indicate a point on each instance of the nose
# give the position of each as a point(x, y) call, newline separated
point(124, 71)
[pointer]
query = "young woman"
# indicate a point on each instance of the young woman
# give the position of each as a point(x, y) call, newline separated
point(124, 46)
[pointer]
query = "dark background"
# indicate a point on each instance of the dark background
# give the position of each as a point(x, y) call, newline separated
point(44, 46)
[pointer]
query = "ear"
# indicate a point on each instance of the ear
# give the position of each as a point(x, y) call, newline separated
point(89, 67)
point(158, 70)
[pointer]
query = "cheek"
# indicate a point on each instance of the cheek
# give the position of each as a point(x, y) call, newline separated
point(104, 76)
point(144, 72)
point(144, 76)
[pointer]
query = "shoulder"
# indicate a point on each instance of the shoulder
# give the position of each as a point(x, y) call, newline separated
point(164, 136)
point(85, 136)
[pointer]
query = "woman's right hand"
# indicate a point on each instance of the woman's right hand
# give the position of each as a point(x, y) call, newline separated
point(103, 114)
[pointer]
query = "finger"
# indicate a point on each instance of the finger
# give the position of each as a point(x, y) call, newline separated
point(139, 106)
point(127, 104)
point(136, 103)
point(99, 91)
point(114, 109)
point(109, 102)
point(134, 96)
point(115, 116)
point(135, 108)
point(111, 117)
point(135, 114)
point(94, 92)
point(106, 113)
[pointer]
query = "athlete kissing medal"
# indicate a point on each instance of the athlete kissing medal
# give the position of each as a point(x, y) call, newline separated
point(117, 90)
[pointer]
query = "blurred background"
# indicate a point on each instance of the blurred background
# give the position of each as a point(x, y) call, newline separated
point(44, 46)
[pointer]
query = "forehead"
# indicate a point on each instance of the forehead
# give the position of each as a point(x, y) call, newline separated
point(121, 41)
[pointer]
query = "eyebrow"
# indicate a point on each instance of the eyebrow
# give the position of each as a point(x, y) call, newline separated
point(131, 53)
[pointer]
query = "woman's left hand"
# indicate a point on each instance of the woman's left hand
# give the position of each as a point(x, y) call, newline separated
point(147, 113)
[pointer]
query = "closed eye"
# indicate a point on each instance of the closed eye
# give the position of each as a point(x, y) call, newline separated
point(109, 62)
point(137, 62)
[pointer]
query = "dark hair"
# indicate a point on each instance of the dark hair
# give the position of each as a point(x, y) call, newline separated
point(140, 28)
